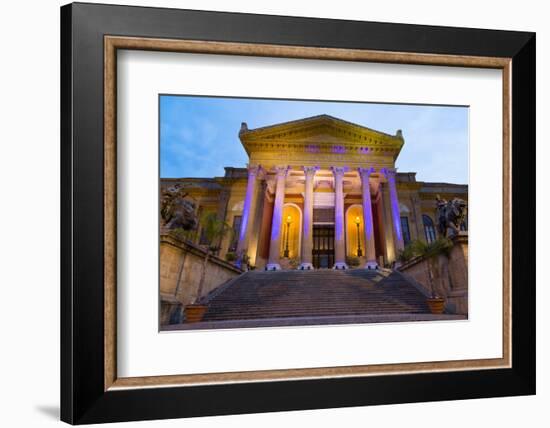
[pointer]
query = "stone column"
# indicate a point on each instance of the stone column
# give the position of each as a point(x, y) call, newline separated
point(277, 220)
point(339, 234)
point(389, 173)
point(365, 173)
point(307, 221)
point(246, 222)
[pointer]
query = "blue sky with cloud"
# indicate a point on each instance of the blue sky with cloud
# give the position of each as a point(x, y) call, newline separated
point(199, 135)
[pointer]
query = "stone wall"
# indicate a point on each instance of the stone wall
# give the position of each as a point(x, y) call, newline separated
point(450, 275)
point(180, 271)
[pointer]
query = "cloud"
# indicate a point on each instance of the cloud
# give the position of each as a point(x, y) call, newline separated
point(199, 135)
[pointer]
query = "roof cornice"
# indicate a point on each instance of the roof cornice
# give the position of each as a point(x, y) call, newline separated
point(321, 134)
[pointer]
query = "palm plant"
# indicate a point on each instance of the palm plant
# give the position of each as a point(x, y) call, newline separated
point(231, 256)
point(407, 253)
point(214, 230)
point(185, 235)
point(429, 251)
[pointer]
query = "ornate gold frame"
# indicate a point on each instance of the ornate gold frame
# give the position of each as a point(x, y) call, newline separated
point(113, 43)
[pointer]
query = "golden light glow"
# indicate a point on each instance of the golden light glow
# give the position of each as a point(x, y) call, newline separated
point(354, 218)
point(291, 227)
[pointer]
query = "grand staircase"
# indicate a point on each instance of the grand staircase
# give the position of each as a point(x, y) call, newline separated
point(320, 293)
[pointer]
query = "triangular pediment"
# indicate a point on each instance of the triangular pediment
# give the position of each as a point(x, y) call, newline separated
point(324, 132)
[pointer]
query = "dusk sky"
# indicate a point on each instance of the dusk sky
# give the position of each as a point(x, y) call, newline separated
point(199, 135)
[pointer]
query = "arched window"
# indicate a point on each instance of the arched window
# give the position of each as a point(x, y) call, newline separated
point(405, 230)
point(429, 229)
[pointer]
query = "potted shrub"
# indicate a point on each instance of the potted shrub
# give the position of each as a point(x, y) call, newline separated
point(430, 252)
point(245, 260)
point(194, 312)
point(231, 256)
point(436, 304)
point(182, 234)
point(214, 231)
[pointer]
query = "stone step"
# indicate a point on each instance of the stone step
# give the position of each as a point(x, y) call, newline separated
point(308, 306)
point(314, 321)
point(320, 293)
point(306, 303)
point(253, 315)
point(317, 304)
point(394, 308)
point(271, 314)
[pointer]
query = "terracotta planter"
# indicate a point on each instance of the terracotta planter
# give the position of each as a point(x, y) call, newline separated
point(194, 313)
point(436, 305)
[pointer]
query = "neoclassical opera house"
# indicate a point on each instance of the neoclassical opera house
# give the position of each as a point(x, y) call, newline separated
point(317, 193)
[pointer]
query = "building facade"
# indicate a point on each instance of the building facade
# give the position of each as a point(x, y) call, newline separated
point(318, 192)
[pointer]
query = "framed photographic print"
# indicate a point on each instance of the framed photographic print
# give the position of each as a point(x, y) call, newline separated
point(347, 235)
point(265, 213)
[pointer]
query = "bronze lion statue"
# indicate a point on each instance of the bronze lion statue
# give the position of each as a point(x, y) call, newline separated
point(176, 211)
point(450, 215)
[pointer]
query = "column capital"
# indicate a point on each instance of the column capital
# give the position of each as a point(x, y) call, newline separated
point(365, 173)
point(281, 170)
point(254, 170)
point(310, 171)
point(271, 183)
point(338, 171)
point(389, 172)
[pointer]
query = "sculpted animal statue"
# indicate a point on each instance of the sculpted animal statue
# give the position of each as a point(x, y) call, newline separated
point(176, 211)
point(450, 215)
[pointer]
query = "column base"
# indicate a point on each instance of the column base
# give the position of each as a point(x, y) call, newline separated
point(305, 266)
point(371, 264)
point(273, 266)
point(340, 266)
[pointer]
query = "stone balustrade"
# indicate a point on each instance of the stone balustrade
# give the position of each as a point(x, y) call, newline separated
point(180, 272)
point(450, 275)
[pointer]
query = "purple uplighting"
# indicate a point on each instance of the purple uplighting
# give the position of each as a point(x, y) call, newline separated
point(395, 207)
point(277, 220)
point(247, 203)
point(368, 229)
point(367, 208)
point(313, 148)
point(275, 230)
point(339, 229)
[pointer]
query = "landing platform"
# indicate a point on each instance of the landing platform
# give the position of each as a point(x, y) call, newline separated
point(314, 321)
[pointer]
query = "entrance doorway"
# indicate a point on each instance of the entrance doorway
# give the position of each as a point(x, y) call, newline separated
point(323, 246)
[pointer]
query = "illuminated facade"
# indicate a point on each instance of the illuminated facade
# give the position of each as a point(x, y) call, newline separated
point(319, 192)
